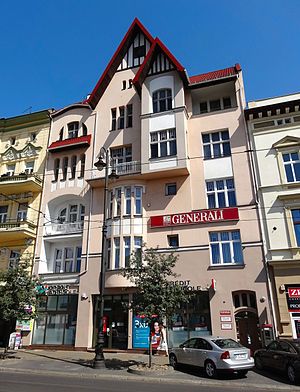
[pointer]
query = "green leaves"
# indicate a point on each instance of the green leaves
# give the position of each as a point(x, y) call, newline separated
point(152, 274)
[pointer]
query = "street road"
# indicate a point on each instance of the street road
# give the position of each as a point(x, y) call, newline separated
point(16, 382)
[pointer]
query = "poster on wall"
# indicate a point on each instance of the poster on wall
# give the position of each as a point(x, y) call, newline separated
point(140, 332)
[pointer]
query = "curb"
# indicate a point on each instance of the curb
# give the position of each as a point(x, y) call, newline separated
point(142, 377)
point(162, 371)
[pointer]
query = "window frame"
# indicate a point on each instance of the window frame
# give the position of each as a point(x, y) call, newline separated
point(73, 129)
point(157, 138)
point(216, 192)
point(171, 238)
point(292, 163)
point(3, 214)
point(162, 104)
point(113, 112)
point(168, 187)
point(220, 242)
point(211, 143)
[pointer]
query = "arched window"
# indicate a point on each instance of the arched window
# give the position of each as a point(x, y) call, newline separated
point(72, 213)
point(56, 169)
point(73, 166)
point(82, 166)
point(162, 100)
point(73, 129)
point(84, 130)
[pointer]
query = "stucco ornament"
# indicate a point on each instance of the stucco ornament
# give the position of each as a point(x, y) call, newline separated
point(28, 151)
point(10, 155)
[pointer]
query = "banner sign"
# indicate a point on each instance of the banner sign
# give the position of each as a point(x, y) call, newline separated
point(195, 217)
point(293, 297)
point(140, 333)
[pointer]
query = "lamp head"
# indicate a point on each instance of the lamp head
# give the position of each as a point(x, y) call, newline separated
point(100, 164)
point(113, 174)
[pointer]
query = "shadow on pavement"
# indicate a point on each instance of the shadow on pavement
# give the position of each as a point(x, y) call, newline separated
point(198, 372)
point(280, 377)
point(113, 363)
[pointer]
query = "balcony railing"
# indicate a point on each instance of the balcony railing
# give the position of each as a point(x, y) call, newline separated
point(21, 224)
point(128, 168)
point(64, 228)
point(20, 177)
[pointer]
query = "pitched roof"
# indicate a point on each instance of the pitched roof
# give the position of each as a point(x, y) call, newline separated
point(215, 75)
point(157, 46)
point(115, 61)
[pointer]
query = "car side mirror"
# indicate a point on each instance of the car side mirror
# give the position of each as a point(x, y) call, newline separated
point(181, 345)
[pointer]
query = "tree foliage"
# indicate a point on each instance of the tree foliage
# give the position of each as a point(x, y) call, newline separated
point(156, 294)
point(18, 295)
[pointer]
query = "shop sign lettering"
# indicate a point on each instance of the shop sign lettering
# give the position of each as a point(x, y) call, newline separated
point(60, 289)
point(294, 292)
point(293, 297)
point(187, 285)
point(195, 217)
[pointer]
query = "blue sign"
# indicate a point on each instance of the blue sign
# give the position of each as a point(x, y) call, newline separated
point(140, 332)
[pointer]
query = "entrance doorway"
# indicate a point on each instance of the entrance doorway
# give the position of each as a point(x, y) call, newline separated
point(248, 332)
point(296, 325)
point(116, 321)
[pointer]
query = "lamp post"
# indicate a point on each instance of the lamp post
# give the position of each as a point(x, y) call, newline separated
point(102, 163)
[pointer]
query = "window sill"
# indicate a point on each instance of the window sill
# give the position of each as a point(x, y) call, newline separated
point(226, 266)
point(211, 158)
point(162, 158)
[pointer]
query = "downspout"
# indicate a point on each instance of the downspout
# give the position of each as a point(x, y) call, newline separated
point(255, 187)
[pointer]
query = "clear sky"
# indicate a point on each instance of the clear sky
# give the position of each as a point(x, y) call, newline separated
point(53, 52)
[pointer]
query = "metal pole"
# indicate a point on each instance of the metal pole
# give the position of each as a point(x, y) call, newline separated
point(99, 357)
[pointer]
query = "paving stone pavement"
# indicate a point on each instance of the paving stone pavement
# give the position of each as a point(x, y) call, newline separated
point(79, 364)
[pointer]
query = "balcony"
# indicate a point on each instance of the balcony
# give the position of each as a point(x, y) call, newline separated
point(71, 143)
point(125, 168)
point(64, 228)
point(12, 230)
point(22, 182)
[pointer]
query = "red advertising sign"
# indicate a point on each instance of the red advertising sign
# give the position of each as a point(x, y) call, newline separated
point(294, 292)
point(225, 312)
point(195, 217)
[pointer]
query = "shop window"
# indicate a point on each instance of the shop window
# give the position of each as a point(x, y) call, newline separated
point(163, 143)
point(173, 240)
point(220, 193)
point(291, 162)
point(73, 128)
point(226, 248)
point(162, 100)
point(296, 223)
point(216, 144)
point(171, 189)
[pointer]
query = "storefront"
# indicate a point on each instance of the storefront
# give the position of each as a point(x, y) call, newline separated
point(293, 302)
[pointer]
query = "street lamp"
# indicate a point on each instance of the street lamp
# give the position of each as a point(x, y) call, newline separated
point(103, 163)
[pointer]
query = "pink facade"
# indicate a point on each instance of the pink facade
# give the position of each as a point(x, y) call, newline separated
point(179, 147)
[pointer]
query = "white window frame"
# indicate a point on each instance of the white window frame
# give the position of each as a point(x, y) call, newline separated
point(73, 129)
point(164, 136)
point(221, 241)
point(80, 213)
point(127, 249)
point(29, 167)
point(22, 212)
point(117, 252)
point(212, 142)
point(59, 264)
point(215, 192)
point(291, 163)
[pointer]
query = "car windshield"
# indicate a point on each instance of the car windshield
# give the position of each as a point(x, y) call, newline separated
point(227, 343)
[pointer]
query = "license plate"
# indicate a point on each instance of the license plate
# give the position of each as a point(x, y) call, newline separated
point(240, 356)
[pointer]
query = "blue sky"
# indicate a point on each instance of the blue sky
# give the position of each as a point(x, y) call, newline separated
point(53, 52)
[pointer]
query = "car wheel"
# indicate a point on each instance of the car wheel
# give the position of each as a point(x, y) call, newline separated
point(291, 373)
point(173, 361)
point(210, 369)
point(242, 373)
point(258, 363)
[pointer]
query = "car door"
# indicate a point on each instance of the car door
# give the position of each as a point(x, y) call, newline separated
point(187, 352)
point(285, 354)
point(267, 355)
point(201, 354)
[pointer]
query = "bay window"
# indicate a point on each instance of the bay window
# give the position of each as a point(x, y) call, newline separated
point(162, 100)
point(67, 260)
point(163, 143)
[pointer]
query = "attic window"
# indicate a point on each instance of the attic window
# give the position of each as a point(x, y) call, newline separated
point(139, 51)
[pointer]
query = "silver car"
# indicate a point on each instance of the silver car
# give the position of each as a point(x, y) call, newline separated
point(213, 354)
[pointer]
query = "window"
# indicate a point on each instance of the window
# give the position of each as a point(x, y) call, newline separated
point(121, 154)
point(291, 163)
point(215, 105)
point(65, 169)
point(127, 250)
point(162, 100)
point(226, 103)
point(130, 83)
point(226, 248)
point(108, 250)
point(138, 200)
point(171, 189)
point(22, 212)
point(138, 246)
point(163, 143)
point(113, 119)
point(14, 258)
point(124, 85)
point(29, 167)
point(127, 196)
point(56, 169)
point(82, 166)
point(173, 240)
point(117, 252)
point(73, 166)
point(121, 117)
point(61, 134)
point(32, 136)
point(110, 204)
point(73, 129)
point(10, 170)
point(296, 223)
point(216, 144)
point(220, 193)
point(203, 107)
point(67, 260)
point(129, 116)
point(118, 201)
point(71, 214)
point(84, 130)
point(3, 213)
point(12, 141)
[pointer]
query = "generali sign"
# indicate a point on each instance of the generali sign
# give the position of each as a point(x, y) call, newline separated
point(195, 217)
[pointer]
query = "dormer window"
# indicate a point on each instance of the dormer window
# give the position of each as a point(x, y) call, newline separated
point(73, 129)
point(162, 100)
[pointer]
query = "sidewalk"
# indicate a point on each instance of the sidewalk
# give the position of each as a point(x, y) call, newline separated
point(79, 364)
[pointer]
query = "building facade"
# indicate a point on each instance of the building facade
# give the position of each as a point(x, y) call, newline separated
point(178, 145)
point(274, 129)
point(23, 146)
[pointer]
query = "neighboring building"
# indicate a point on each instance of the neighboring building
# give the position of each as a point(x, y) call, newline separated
point(274, 128)
point(178, 144)
point(23, 144)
